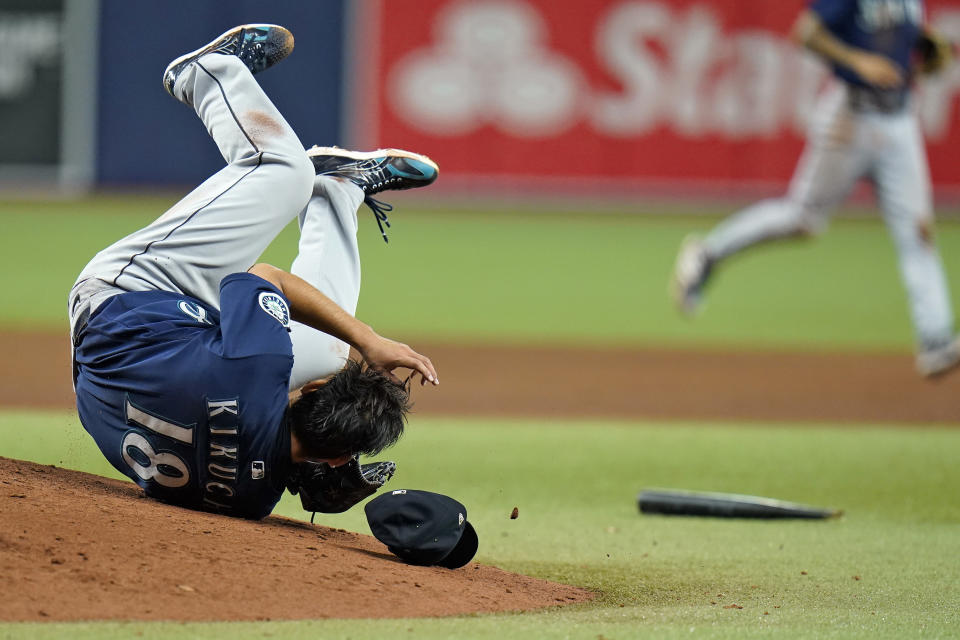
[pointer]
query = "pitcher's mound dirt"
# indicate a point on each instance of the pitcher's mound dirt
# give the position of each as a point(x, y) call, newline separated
point(74, 546)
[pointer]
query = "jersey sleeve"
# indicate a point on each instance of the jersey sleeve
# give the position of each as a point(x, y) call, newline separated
point(833, 13)
point(254, 317)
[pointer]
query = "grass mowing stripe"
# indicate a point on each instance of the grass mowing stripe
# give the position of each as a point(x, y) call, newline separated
point(575, 485)
point(515, 276)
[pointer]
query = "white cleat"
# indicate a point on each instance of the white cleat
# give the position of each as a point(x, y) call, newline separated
point(936, 361)
point(690, 274)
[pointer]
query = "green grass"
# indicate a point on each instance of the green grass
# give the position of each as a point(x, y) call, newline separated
point(576, 278)
point(575, 485)
point(531, 277)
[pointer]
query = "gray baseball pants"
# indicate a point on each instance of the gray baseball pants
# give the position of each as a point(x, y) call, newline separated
point(844, 145)
point(225, 224)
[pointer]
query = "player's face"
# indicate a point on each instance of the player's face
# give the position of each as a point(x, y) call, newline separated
point(297, 455)
point(333, 462)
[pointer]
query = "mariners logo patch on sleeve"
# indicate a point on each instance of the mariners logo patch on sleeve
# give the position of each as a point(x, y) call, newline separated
point(276, 306)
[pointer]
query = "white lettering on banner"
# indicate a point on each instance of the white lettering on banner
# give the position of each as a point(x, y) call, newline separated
point(745, 102)
point(29, 40)
point(492, 65)
point(692, 61)
point(622, 48)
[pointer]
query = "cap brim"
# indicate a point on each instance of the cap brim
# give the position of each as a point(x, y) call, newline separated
point(464, 550)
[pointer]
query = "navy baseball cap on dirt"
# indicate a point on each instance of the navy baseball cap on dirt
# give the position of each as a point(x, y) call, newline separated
point(421, 527)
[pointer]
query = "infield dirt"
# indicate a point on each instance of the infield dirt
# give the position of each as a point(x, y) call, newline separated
point(75, 546)
point(630, 383)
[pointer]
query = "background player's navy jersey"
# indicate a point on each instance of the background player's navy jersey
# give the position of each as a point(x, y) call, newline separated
point(189, 402)
point(887, 27)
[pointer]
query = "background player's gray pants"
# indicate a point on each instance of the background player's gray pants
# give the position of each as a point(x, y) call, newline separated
point(843, 146)
point(224, 225)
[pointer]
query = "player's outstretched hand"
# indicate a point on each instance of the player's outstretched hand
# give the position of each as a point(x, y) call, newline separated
point(877, 70)
point(311, 307)
point(384, 354)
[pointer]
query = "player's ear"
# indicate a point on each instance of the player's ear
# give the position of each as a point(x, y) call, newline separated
point(310, 387)
point(313, 385)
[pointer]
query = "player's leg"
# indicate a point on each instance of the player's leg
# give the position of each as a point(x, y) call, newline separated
point(904, 193)
point(328, 257)
point(328, 254)
point(830, 165)
point(224, 224)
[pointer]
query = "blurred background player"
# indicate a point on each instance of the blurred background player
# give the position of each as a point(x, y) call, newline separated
point(863, 127)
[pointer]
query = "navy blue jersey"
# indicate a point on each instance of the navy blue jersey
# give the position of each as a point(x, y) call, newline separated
point(886, 27)
point(189, 402)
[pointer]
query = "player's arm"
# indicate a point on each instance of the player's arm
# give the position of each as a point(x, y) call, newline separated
point(312, 308)
point(879, 71)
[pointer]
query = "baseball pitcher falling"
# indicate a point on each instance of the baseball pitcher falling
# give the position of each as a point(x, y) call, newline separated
point(213, 382)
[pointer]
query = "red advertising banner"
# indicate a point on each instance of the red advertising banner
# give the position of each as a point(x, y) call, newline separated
point(698, 93)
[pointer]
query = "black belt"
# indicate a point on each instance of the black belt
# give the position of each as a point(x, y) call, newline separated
point(873, 99)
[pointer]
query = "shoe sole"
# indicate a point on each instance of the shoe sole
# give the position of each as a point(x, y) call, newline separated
point(283, 52)
point(370, 155)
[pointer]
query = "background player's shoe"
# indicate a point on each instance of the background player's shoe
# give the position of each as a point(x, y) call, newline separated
point(690, 274)
point(259, 46)
point(375, 171)
point(938, 360)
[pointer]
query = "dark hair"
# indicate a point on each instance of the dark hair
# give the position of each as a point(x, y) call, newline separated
point(358, 411)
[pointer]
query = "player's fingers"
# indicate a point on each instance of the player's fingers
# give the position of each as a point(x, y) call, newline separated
point(423, 366)
point(413, 376)
point(427, 370)
point(420, 364)
point(387, 355)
